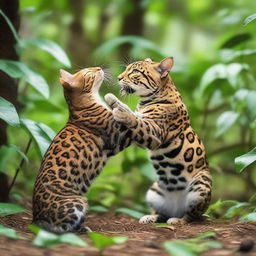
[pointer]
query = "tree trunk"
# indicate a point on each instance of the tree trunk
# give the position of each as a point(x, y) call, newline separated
point(132, 25)
point(8, 86)
point(78, 45)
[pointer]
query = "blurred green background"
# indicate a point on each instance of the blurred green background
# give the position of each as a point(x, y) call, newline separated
point(214, 53)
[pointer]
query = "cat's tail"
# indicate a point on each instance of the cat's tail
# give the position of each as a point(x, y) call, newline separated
point(64, 214)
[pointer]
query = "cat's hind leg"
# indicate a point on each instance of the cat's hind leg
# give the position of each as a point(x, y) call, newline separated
point(197, 200)
point(64, 214)
point(155, 199)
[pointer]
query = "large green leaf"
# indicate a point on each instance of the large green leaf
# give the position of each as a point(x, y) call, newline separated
point(7, 152)
point(130, 212)
point(139, 43)
point(233, 210)
point(98, 208)
point(46, 239)
point(17, 69)
point(9, 209)
point(8, 113)
point(101, 241)
point(148, 171)
point(249, 19)
point(41, 133)
point(9, 232)
point(191, 247)
point(236, 40)
point(222, 71)
point(178, 248)
point(245, 160)
point(250, 217)
point(51, 47)
point(230, 54)
point(225, 121)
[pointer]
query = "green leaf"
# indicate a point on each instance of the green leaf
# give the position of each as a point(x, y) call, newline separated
point(236, 40)
point(138, 43)
point(9, 209)
point(251, 217)
point(98, 208)
point(101, 241)
point(130, 212)
point(8, 113)
point(148, 171)
point(219, 204)
point(222, 71)
point(225, 121)
point(229, 54)
point(51, 47)
point(249, 19)
point(41, 133)
point(252, 198)
point(213, 244)
point(9, 232)
point(232, 211)
point(241, 162)
point(204, 235)
point(17, 69)
point(177, 248)
point(46, 239)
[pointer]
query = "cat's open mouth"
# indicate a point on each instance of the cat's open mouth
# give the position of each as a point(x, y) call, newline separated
point(127, 90)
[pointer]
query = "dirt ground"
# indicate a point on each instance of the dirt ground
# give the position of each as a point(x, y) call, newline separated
point(144, 240)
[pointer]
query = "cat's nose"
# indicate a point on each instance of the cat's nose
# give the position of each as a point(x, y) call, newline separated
point(120, 78)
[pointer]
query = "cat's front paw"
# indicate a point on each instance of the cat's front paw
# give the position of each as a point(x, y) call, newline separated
point(176, 221)
point(124, 118)
point(111, 100)
point(148, 219)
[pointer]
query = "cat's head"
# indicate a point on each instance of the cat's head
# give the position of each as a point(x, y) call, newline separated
point(144, 78)
point(85, 81)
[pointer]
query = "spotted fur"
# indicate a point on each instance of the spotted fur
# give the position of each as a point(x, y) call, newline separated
point(183, 190)
point(77, 154)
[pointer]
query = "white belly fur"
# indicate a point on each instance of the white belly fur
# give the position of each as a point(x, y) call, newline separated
point(170, 204)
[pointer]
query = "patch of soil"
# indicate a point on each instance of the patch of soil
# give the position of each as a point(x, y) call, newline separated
point(144, 240)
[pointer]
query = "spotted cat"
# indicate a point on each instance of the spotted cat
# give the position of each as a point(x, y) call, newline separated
point(77, 154)
point(183, 190)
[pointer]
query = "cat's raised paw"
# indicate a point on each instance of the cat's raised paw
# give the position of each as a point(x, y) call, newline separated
point(111, 100)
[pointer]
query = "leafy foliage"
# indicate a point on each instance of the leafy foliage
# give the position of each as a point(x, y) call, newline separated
point(51, 47)
point(214, 71)
point(41, 134)
point(245, 160)
point(8, 113)
point(101, 241)
point(9, 209)
point(191, 247)
point(17, 69)
point(9, 232)
point(46, 239)
point(130, 212)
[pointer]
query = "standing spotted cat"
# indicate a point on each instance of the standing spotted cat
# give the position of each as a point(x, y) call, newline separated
point(182, 192)
point(77, 154)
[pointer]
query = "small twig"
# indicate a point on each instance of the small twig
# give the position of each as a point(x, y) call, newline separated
point(20, 166)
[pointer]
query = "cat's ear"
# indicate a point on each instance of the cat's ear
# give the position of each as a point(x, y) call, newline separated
point(66, 79)
point(165, 66)
point(148, 60)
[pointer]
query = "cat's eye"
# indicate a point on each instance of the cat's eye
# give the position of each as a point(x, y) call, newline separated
point(135, 71)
